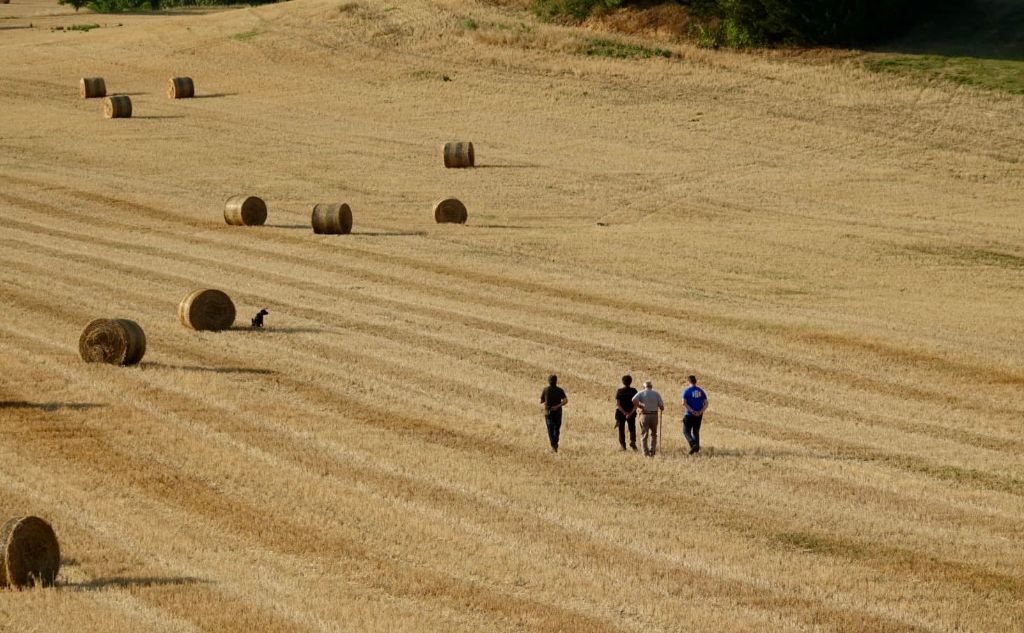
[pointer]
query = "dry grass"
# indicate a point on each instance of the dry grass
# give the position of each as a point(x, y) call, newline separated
point(832, 251)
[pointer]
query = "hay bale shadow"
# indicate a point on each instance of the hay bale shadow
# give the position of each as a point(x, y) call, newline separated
point(215, 95)
point(390, 233)
point(523, 166)
point(269, 329)
point(124, 582)
point(213, 370)
point(49, 406)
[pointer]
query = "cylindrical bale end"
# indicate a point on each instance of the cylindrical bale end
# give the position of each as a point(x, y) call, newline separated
point(450, 210)
point(180, 88)
point(29, 553)
point(112, 341)
point(245, 210)
point(458, 154)
point(207, 309)
point(117, 107)
point(332, 219)
point(92, 87)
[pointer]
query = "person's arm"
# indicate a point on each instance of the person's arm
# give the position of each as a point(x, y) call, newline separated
point(562, 403)
point(618, 407)
point(704, 407)
point(637, 405)
point(661, 404)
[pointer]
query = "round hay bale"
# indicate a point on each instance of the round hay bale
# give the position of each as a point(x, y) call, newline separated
point(113, 341)
point(332, 219)
point(117, 107)
point(450, 210)
point(92, 87)
point(458, 154)
point(207, 310)
point(29, 553)
point(180, 88)
point(245, 210)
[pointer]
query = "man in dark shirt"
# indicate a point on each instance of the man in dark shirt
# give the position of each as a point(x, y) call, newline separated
point(553, 399)
point(625, 413)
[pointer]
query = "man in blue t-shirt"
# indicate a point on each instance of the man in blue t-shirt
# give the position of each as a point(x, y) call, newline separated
point(696, 403)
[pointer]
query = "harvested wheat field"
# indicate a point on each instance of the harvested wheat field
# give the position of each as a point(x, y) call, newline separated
point(837, 255)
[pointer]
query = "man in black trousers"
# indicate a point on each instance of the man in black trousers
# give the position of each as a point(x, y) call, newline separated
point(553, 399)
point(625, 413)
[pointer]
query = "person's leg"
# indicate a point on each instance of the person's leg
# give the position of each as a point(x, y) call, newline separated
point(556, 426)
point(549, 421)
point(688, 431)
point(645, 435)
point(621, 426)
point(696, 433)
point(654, 436)
point(632, 432)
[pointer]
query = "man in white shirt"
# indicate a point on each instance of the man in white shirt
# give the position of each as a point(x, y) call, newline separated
point(650, 405)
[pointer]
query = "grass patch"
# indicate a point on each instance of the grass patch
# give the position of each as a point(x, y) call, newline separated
point(85, 28)
point(620, 50)
point(245, 35)
point(470, 24)
point(993, 74)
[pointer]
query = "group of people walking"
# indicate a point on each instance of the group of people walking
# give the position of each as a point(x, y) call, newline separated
point(629, 403)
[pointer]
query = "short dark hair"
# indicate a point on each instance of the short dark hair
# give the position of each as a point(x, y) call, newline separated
point(552, 379)
point(693, 380)
point(627, 380)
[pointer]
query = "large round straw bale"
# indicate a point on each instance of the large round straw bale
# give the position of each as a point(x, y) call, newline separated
point(458, 154)
point(117, 107)
point(207, 310)
point(113, 341)
point(245, 210)
point(92, 87)
point(450, 210)
point(180, 88)
point(29, 553)
point(333, 219)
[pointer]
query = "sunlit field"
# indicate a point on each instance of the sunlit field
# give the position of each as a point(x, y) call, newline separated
point(837, 255)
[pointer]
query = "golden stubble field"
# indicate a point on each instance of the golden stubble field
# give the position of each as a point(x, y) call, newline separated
point(837, 255)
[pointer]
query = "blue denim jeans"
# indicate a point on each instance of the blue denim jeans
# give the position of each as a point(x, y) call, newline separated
point(691, 430)
point(553, 420)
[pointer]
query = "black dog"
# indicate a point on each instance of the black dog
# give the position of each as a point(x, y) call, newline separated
point(257, 321)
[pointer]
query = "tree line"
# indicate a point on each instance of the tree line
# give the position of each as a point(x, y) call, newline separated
point(766, 22)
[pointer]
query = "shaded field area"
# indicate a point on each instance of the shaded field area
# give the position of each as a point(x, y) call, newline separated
point(835, 253)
